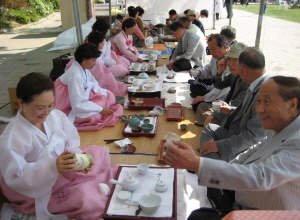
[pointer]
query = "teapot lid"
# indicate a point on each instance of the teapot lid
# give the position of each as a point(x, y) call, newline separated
point(130, 179)
point(143, 75)
point(161, 183)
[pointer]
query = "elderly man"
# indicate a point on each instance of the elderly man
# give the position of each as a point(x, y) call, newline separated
point(238, 88)
point(191, 14)
point(189, 49)
point(243, 126)
point(266, 176)
point(229, 33)
point(201, 89)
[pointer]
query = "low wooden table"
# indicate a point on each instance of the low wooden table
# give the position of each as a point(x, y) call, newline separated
point(160, 47)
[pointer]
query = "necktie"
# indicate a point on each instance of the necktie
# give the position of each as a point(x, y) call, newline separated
point(236, 86)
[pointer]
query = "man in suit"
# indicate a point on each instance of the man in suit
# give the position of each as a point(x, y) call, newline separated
point(238, 88)
point(266, 176)
point(189, 49)
point(242, 128)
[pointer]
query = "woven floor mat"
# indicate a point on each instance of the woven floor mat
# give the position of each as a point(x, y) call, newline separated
point(144, 145)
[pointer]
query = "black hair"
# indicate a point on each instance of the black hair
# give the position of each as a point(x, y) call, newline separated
point(221, 40)
point(184, 19)
point(140, 10)
point(289, 88)
point(128, 23)
point(86, 51)
point(204, 12)
point(228, 32)
point(119, 16)
point(132, 12)
point(253, 58)
point(101, 25)
point(95, 37)
point(130, 7)
point(172, 12)
point(186, 11)
point(175, 26)
point(33, 84)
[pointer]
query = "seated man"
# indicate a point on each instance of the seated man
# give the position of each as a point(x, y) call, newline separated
point(191, 14)
point(229, 33)
point(204, 13)
point(201, 88)
point(243, 125)
point(266, 176)
point(173, 17)
point(188, 49)
point(238, 88)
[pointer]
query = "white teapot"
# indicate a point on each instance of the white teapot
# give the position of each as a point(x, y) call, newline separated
point(130, 183)
point(149, 42)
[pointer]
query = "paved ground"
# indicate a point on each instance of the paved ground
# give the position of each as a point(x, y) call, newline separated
point(24, 50)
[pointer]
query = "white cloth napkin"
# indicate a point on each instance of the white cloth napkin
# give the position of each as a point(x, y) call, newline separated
point(182, 76)
point(147, 184)
point(152, 121)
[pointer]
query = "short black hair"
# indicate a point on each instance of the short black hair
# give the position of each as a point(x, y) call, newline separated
point(33, 84)
point(221, 40)
point(184, 19)
point(253, 58)
point(119, 16)
point(228, 32)
point(204, 12)
point(130, 7)
point(172, 12)
point(289, 88)
point(128, 23)
point(186, 11)
point(101, 25)
point(132, 12)
point(95, 37)
point(86, 51)
point(175, 26)
point(140, 10)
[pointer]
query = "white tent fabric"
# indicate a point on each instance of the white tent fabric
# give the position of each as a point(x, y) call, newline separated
point(157, 10)
point(68, 39)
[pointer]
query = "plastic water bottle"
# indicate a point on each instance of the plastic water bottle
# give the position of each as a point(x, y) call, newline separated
point(169, 48)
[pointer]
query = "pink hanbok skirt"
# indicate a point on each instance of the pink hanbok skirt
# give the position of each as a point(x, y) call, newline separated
point(105, 78)
point(94, 122)
point(74, 194)
point(122, 66)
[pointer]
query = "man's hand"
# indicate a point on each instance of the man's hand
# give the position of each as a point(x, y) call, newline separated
point(221, 66)
point(225, 108)
point(106, 112)
point(209, 147)
point(208, 120)
point(182, 157)
point(65, 162)
point(198, 99)
point(190, 72)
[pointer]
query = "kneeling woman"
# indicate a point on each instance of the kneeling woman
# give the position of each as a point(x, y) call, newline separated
point(80, 97)
point(37, 175)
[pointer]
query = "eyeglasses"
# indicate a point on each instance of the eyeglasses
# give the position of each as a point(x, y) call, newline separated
point(232, 61)
point(42, 111)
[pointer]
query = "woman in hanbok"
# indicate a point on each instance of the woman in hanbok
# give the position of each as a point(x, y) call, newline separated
point(80, 97)
point(122, 42)
point(37, 166)
point(118, 65)
point(102, 74)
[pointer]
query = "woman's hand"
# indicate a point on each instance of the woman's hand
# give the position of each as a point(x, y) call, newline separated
point(65, 162)
point(86, 170)
point(140, 60)
point(106, 112)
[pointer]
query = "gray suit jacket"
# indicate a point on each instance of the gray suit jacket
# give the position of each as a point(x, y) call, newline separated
point(234, 98)
point(243, 126)
point(190, 48)
point(266, 176)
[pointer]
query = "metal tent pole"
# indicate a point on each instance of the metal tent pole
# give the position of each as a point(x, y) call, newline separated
point(230, 12)
point(78, 28)
point(259, 25)
point(214, 15)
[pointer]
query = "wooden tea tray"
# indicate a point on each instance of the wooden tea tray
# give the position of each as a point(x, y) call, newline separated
point(139, 134)
point(161, 151)
point(121, 217)
point(174, 112)
point(149, 103)
point(138, 72)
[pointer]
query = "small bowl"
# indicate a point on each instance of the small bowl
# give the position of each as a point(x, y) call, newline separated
point(149, 86)
point(131, 89)
point(123, 117)
point(147, 128)
point(183, 127)
point(124, 195)
point(150, 203)
point(120, 100)
point(120, 78)
point(141, 117)
point(146, 121)
point(136, 129)
point(143, 168)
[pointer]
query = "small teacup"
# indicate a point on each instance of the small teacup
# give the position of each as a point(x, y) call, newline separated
point(123, 117)
point(194, 73)
point(146, 121)
point(131, 89)
point(183, 127)
point(171, 89)
point(141, 117)
point(216, 106)
point(143, 168)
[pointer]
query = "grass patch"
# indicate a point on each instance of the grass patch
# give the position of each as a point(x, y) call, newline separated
point(272, 11)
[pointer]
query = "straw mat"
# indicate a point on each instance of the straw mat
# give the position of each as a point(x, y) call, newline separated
point(146, 148)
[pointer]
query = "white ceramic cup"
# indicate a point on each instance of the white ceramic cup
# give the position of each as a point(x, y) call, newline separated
point(143, 168)
point(136, 68)
point(216, 106)
point(171, 89)
point(194, 73)
point(150, 203)
point(124, 195)
point(131, 89)
point(135, 83)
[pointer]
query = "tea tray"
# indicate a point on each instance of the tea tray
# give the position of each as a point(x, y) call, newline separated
point(128, 133)
point(174, 112)
point(147, 183)
point(149, 103)
point(141, 66)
